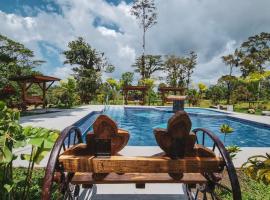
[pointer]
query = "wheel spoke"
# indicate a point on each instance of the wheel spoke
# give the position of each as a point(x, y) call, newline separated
point(196, 195)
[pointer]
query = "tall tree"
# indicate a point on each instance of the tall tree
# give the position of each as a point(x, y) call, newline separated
point(89, 67)
point(175, 67)
point(190, 65)
point(231, 60)
point(15, 60)
point(145, 12)
point(153, 63)
point(255, 54)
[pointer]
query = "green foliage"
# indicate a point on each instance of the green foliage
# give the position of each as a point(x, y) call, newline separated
point(215, 93)
point(89, 67)
point(180, 69)
point(111, 89)
point(15, 60)
point(230, 83)
point(202, 89)
point(193, 97)
point(226, 129)
point(258, 168)
point(251, 189)
point(64, 95)
point(150, 83)
point(255, 54)
point(233, 150)
point(12, 135)
point(147, 65)
point(127, 78)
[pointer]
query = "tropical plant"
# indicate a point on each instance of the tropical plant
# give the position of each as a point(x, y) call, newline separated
point(202, 89)
point(258, 168)
point(233, 150)
point(150, 83)
point(113, 89)
point(145, 12)
point(193, 97)
point(42, 141)
point(226, 129)
point(127, 78)
point(12, 135)
point(89, 67)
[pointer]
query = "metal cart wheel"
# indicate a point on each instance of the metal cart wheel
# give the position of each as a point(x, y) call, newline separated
point(220, 184)
point(55, 177)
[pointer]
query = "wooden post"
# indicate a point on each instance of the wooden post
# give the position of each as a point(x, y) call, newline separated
point(144, 97)
point(163, 98)
point(23, 91)
point(126, 96)
point(44, 94)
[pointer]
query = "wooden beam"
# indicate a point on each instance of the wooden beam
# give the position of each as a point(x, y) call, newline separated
point(49, 85)
point(86, 178)
point(122, 164)
point(30, 84)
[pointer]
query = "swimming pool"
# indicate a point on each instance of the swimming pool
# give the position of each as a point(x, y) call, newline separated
point(140, 123)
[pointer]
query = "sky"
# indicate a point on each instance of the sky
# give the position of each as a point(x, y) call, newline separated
point(211, 28)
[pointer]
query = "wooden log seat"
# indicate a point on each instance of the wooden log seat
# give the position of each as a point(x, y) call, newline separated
point(104, 128)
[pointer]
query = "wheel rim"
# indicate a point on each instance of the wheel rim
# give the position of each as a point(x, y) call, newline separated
point(55, 171)
point(220, 184)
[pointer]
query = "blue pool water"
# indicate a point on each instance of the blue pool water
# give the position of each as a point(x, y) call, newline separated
point(141, 122)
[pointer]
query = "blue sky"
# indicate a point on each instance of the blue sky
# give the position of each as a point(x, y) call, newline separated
point(210, 28)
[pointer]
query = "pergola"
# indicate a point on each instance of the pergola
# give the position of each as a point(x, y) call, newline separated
point(25, 82)
point(165, 90)
point(128, 88)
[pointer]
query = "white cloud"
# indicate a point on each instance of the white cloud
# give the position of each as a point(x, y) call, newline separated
point(63, 72)
point(107, 32)
point(210, 28)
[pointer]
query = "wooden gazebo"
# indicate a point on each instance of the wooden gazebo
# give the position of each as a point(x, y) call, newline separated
point(142, 89)
point(165, 90)
point(25, 82)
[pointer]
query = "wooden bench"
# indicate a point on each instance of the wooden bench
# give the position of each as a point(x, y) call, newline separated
point(183, 159)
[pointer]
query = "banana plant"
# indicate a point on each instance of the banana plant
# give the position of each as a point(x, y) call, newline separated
point(42, 141)
point(10, 137)
point(258, 168)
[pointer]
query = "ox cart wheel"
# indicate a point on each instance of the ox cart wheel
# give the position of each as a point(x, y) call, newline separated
point(220, 184)
point(56, 179)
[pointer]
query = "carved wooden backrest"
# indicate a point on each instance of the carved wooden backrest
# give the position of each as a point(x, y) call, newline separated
point(176, 140)
point(105, 129)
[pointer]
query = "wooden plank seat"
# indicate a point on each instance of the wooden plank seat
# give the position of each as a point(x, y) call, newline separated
point(33, 100)
point(137, 178)
point(77, 159)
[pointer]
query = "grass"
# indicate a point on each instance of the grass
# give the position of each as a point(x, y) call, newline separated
point(251, 189)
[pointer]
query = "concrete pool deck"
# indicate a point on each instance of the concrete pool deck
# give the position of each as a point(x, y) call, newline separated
point(60, 120)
